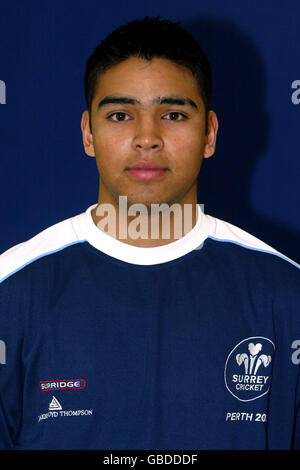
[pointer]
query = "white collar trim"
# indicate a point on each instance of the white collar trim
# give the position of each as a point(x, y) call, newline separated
point(86, 229)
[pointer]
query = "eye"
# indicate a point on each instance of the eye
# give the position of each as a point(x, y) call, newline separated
point(120, 115)
point(117, 114)
point(176, 113)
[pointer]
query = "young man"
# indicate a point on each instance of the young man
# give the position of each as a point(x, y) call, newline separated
point(124, 335)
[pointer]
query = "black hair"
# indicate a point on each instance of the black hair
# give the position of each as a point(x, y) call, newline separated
point(148, 38)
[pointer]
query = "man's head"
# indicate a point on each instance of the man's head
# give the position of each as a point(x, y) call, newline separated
point(147, 72)
point(149, 38)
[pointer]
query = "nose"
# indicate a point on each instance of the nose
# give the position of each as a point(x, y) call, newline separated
point(147, 136)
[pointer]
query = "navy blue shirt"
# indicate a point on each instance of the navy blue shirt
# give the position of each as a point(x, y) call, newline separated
point(190, 345)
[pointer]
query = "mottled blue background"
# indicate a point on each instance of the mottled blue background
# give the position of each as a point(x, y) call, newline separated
point(252, 180)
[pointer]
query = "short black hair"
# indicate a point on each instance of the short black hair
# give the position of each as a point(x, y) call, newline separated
point(148, 38)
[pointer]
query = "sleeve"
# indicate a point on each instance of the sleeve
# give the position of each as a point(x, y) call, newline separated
point(296, 361)
point(296, 445)
point(294, 299)
point(284, 398)
point(10, 366)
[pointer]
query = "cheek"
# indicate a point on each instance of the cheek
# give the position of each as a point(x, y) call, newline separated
point(110, 138)
point(188, 150)
point(108, 152)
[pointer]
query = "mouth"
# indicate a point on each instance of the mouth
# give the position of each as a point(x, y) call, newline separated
point(146, 170)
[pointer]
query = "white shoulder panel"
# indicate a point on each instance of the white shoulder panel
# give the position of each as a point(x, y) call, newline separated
point(226, 232)
point(52, 239)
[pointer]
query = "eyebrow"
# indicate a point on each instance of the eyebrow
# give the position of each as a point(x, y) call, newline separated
point(176, 100)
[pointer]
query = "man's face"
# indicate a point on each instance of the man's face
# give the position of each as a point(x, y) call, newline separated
point(167, 135)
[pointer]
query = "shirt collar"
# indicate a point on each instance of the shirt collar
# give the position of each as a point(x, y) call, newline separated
point(87, 229)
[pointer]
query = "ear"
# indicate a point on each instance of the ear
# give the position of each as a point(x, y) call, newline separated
point(87, 136)
point(211, 136)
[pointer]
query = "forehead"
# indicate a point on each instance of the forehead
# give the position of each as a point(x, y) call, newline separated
point(146, 79)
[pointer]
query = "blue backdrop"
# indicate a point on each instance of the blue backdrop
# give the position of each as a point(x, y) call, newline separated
point(252, 180)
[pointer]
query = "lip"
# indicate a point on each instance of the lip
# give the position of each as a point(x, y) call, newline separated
point(146, 166)
point(146, 174)
point(146, 170)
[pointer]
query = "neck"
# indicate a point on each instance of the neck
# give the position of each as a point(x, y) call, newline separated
point(146, 226)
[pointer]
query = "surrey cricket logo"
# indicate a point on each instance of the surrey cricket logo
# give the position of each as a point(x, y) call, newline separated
point(248, 368)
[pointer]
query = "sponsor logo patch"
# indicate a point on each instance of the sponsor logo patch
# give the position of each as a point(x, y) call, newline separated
point(54, 404)
point(56, 411)
point(248, 368)
point(65, 384)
